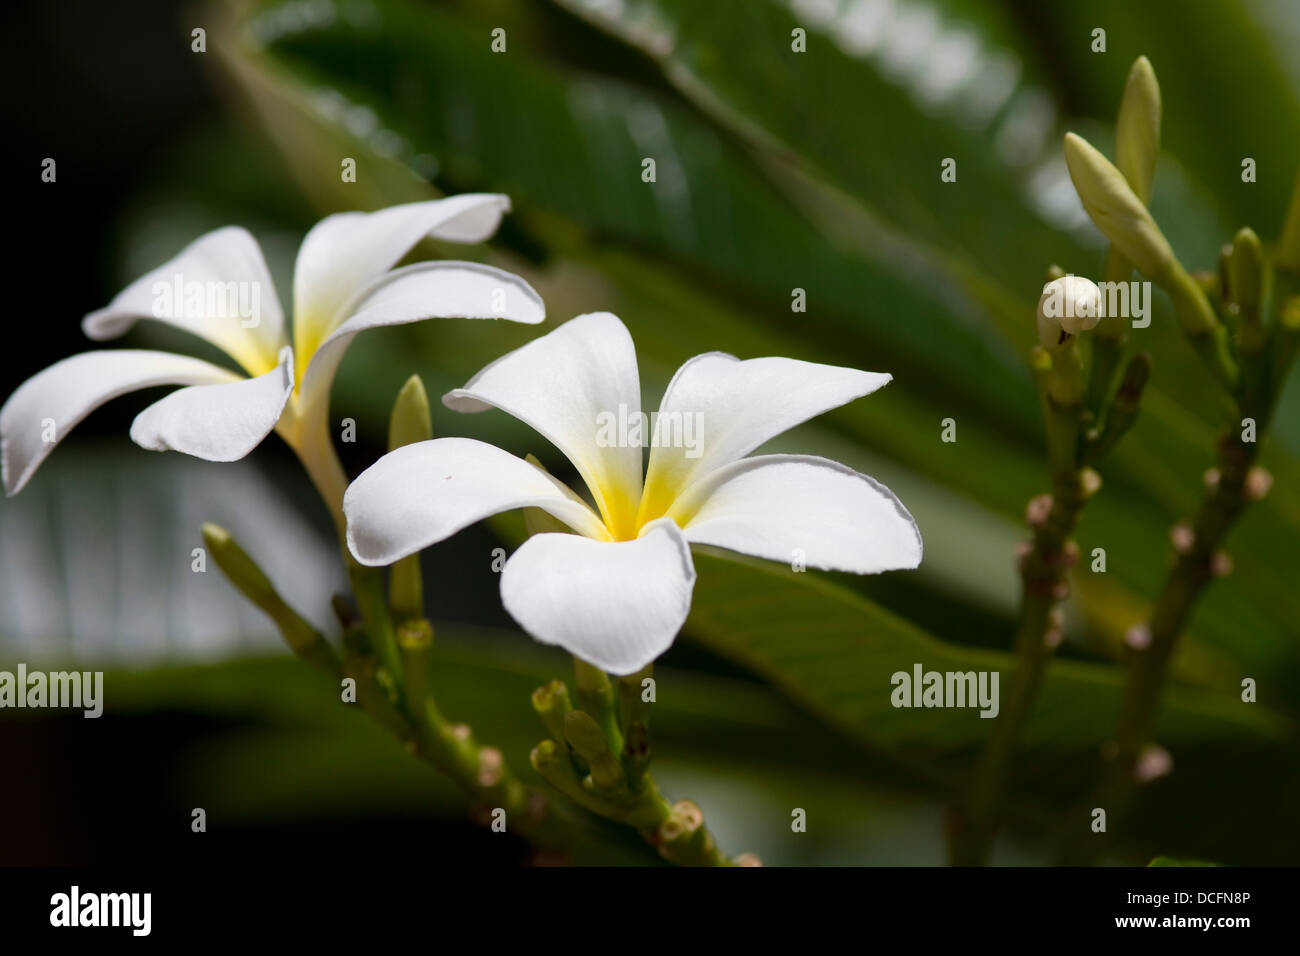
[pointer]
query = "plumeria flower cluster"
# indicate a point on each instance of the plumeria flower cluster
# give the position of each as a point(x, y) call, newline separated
point(616, 592)
point(344, 283)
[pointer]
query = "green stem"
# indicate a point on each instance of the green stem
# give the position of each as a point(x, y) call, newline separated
point(368, 589)
point(453, 750)
point(1043, 572)
point(596, 696)
point(1192, 573)
point(1108, 342)
point(1206, 334)
point(634, 713)
point(1122, 411)
point(1148, 668)
point(677, 830)
point(449, 748)
point(599, 755)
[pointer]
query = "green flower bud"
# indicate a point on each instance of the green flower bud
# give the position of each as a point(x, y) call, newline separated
point(410, 421)
point(1137, 131)
point(1118, 212)
point(1246, 271)
point(243, 572)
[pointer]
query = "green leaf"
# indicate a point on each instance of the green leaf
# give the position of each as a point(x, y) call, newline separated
point(836, 652)
point(717, 273)
point(1171, 861)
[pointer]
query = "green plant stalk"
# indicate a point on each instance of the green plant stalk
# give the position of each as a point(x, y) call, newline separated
point(449, 748)
point(454, 751)
point(1122, 411)
point(1205, 333)
point(1043, 571)
point(679, 837)
point(588, 760)
point(368, 589)
point(1108, 341)
point(595, 694)
point(415, 640)
point(634, 714)
point(1193, 569)
point(1148, 668)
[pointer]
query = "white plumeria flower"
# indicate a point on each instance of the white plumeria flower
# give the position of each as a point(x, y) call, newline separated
point(344, 282)
point(616, 593)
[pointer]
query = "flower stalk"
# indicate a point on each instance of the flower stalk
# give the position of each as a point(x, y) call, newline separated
point(386, 652)
point(1044, 565)
point(1267, 348)
point(599, 757)
point(410, 714)
point(1249, 351)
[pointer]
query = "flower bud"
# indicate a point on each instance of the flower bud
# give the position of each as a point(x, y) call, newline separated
point(1246, 271)
point(242, 571)
point(1137, 131)
point(1118, 211)
point(410, 421)
point(1068, 306)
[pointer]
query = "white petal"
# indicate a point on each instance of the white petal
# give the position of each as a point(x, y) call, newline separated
point(427, 290)
point(49, 404)
point(420, 494)
point(615, 604)
point(798, 508)
point(344, 253)
point(564, 384)
point(217, 422)
point(218, 288)
point(718, 409)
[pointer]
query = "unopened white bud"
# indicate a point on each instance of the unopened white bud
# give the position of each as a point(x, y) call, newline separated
point(1068, 306)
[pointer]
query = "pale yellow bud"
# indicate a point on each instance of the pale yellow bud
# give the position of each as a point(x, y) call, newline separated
point(1117, 211)
point(1137, 131)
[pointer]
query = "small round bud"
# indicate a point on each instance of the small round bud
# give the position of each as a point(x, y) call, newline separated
point(1221, 564)
point(491, 767)
point(1068, 306)
point(1153, 762)
point(1258, 483)
point(1138, 637)
point(1039, 507)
